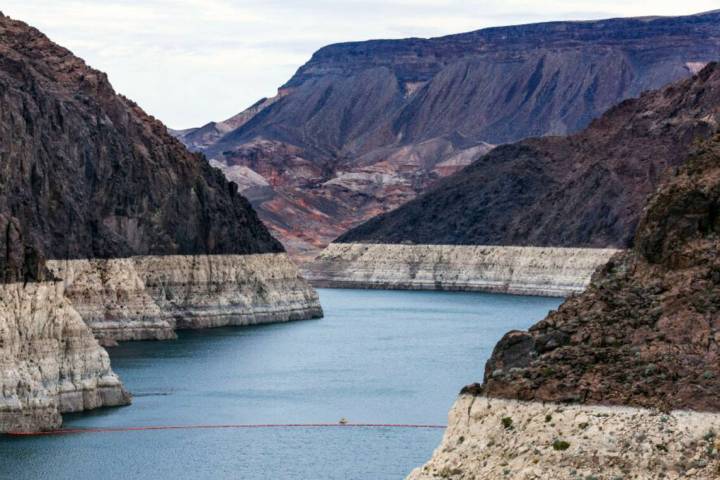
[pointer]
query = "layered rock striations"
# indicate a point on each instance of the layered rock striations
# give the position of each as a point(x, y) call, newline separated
point(364, 127)
point(150, 297)
point(99, 187)
point(645, 335)
point(515, 270)
point(50, 363)
point(584, 190)
point(104, 216)
point(228, 290)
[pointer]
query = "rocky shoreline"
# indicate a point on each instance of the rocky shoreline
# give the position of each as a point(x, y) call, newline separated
point(545, 271)
point(491, 438)
point(149, 297)
point(110, 227)
point(621, 381)
point(50, 363)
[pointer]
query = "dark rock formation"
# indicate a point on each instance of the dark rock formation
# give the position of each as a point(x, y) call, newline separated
point(87, 179)
point(85, 172)
point(647, 330)
point(585, 190)
point(365, 126)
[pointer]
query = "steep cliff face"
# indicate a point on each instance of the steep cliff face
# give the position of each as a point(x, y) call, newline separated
point(98, 205)
point(585, 190)
point(87, 174)
point(645, 334)
point(364, 127)
point(50, 363)
point(517, 270)
point(647, 330)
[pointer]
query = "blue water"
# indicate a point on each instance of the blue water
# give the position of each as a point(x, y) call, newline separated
point(376, 357)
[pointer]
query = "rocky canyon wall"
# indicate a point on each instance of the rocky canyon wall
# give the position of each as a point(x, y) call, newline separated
point(364, 127)
point(50, 363)
point(517, 270)
point(86, 174)
point(149, 297)
point(621, 381)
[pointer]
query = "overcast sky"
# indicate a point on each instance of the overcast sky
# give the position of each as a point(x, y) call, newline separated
point(191, 61)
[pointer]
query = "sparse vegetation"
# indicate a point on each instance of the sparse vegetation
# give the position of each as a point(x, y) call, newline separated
point(507, 423)
point(560, 445)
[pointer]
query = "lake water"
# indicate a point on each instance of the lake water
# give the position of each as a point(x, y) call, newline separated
point(377, 357)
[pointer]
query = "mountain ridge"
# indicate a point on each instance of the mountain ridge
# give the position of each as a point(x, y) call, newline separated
point(364, 127)
point(119, 208)
point(585, 190)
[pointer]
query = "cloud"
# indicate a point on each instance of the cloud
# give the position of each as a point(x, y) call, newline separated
point(191, 61)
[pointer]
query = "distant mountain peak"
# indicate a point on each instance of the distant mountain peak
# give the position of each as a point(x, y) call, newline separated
point(360, 110)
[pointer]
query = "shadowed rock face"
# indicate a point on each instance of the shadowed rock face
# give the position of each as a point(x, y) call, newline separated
point(647, 330)
point(88, 179)
point(364, 127)
point(86, 173)
point(585, 190)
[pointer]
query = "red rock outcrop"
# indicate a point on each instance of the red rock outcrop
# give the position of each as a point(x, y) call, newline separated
point(364, 127)
point(584, 190)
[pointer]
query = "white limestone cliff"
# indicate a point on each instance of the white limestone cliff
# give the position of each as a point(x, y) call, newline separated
point(490, 439)
point(547, 271)
point(50, 363)
point(149, 297)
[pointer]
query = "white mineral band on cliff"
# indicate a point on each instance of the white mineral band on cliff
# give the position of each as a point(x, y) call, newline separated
point(148, 297)
point(546, 271)
point(50, 363)
point(490, 439)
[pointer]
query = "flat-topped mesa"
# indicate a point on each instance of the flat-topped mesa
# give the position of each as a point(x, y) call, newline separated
point(585, 191)
point(594, 377)
point(142, 236)
point(364, 127)
point(555, 272)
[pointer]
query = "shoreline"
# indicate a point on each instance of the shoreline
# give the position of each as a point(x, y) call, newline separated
point(489, 438)
point(536, 271)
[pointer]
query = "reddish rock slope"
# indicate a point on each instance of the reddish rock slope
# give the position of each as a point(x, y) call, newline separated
point(363, 127)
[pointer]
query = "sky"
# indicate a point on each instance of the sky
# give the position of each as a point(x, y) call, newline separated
point(188, 62)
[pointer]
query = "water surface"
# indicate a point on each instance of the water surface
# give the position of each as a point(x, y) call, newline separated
point(376, 357)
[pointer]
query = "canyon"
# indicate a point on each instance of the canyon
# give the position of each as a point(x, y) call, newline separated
point(621, 380)
point(150, 297)
point(111, 230)
point(110, 226)
point(552, 272)
point(364, 127)
point(581, 191)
